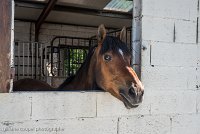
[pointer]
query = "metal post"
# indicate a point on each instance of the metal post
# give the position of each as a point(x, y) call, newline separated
point(28, 64)
point(37, 62)
point(136, 37)
point(41, 58)
point(12, 48)
point(45, 68)
point(23, 58)
point(32, 56)
point(18, 60)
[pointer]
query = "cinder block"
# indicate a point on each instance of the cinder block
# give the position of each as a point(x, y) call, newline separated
point(157, 29)
point(61, 105)
point(51, 26)
point(179, 9)
point(171, 54)
point(15, 106)
point(69, 126)
point(107, 105)
point(21, 24)
point(185, 31)
point(172, 102)
point(70, 33)
point(21, 36)
point(88, 29)
point(169, 78)
point(24, 29)
point(69, 28)
point(85, 34)
point(54, 32)
point(45, 31)
point(44, 38)
point(155, 124)
point(185, 124)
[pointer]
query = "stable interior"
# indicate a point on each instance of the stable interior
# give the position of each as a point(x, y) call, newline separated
point(52, 39)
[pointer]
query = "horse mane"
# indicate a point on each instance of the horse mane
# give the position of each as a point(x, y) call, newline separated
point(111, 43)
point(67, 81)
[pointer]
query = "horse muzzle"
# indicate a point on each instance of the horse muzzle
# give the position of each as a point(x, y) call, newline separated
point(132, 98)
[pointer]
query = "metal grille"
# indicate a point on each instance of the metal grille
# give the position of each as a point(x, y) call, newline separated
point(68, 53)
point(28, 60)
point(62, 58)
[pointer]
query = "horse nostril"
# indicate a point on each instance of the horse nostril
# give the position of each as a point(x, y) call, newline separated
point(142, 92)
point(132, 92)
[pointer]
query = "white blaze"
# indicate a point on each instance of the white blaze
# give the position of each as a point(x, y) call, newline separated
point(121, 52)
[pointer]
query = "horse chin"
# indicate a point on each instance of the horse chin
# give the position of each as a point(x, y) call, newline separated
point(129, 103)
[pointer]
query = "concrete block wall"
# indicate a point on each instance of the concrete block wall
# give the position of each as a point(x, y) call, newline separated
point(24, 31)
point(170, 67)
point(49, 31)
point(170, 74)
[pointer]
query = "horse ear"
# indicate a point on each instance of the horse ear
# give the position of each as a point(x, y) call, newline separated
point(123, 34)
point(101, 34)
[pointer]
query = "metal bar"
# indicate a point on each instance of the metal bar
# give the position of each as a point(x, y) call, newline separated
point(23, 58)
point(44, 61)
point(68, 54)
point(35, 65)
point(74, 47)
point(45, 64)
point(32, 45)
point(37, 58)
point(136, 36)
point(75, 62)
point(43, 15)
point(12, 48)
point(51, 61)
point(41, 59)
point(24, 65)
point(28, 57)
point(126, 36)
point(130, 39)
point(59, 57)
point(72, 57)
point(18, 58)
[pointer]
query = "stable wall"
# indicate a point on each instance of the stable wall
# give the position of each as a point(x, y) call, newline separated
point(170, 74)
point(24, 32)
point(170, 64)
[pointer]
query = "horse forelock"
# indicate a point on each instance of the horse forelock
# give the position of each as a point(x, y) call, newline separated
point(114, 44)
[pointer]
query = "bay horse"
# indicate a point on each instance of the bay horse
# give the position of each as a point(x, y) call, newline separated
point(107, 67)
point(29, 84)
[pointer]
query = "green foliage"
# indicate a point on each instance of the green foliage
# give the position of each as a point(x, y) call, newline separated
point(73, 60)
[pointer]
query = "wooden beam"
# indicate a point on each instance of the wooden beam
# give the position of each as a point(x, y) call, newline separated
point(5, 43)
point(50, 5)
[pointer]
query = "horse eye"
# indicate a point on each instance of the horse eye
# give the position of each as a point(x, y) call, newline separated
point(107, 57)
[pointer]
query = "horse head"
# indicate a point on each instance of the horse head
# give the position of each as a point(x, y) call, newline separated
point(113, 71)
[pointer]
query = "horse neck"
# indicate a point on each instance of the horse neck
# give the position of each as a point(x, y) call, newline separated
point(85, 77)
